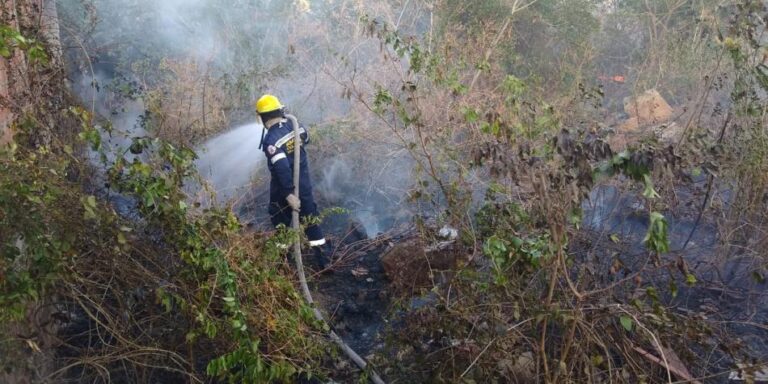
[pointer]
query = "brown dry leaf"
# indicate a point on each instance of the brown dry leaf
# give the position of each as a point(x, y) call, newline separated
point(676, 366)
point(33, 345)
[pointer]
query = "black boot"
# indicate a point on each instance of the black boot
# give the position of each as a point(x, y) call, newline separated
point(323, 256)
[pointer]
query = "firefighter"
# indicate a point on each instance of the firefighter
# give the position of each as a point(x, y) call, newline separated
point(278, 145)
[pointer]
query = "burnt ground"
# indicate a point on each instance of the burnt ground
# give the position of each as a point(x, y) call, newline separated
point(726, 292)
point(355, 295)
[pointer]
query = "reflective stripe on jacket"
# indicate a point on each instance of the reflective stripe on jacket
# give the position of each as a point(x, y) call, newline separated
point(278, 146)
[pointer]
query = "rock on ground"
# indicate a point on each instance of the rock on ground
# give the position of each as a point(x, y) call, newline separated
point(410, 265)
point(649, 108)
point(649, 113)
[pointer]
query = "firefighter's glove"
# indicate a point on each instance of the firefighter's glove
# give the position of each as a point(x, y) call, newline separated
point(294, 202)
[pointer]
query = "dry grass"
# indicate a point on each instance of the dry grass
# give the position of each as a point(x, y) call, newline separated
point(187, 104)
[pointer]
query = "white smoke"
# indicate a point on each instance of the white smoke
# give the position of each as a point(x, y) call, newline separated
point(255, 47)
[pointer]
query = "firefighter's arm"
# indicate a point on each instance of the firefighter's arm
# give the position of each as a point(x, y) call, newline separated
point(281, 168)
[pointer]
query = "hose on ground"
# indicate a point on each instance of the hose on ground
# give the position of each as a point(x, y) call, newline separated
point(359, 361)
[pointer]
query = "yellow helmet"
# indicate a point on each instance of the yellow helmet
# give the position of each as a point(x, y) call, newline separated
point(268, 103)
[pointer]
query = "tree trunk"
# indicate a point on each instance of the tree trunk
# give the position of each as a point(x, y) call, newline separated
point(50, 31)
point(36, 19)
point(7, 18)
point(6, 117)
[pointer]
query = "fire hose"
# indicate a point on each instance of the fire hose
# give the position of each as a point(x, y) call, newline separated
point(359, 361)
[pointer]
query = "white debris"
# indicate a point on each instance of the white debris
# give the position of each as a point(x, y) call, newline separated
point(750, 374)
point(448, 232)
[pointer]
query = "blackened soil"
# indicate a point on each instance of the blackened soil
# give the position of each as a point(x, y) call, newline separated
point(355, 294)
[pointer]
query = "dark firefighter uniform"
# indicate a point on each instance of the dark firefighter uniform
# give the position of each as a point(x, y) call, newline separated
point(278, 146)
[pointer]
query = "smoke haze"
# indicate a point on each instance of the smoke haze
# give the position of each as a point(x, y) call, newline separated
point(300, 52)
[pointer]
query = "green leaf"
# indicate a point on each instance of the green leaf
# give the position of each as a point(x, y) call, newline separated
point(470, 114)
point(382, 99)
point(649, 192)
point(89, 206)
point(167, 302)
point(575, 217)
point(615, 238)
point(690, 279)
point(696, 172)
point(626, 322)
point(673, 288)
point(656, 239)
point(513, 86)
point(191, 336)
